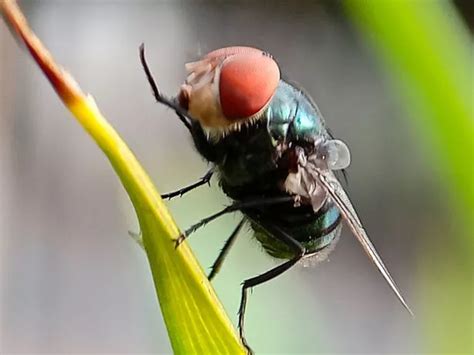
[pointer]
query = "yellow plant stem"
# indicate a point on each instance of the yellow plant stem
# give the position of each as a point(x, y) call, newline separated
point(195, 319)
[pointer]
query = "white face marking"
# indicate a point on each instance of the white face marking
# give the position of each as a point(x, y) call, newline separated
point(217, 133)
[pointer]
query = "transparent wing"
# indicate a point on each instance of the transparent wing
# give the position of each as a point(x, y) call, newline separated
point(333, 189)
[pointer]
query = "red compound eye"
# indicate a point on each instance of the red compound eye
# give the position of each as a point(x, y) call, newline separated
point(247, 82)
point(228, 51)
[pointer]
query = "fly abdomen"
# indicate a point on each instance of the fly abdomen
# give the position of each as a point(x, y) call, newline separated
point(325, 229)
point(314, 230)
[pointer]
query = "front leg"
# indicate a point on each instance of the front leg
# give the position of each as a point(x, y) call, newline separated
point(202, 181)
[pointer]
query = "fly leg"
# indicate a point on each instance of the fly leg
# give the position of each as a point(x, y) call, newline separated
point(202, 181)
point(182, 113)
point(300, 251)
point(215, 268)
point(236, 206)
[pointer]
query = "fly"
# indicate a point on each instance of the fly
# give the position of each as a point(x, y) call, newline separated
point(268, 143)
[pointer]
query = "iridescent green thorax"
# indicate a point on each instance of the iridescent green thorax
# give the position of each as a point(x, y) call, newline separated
point(292, 116)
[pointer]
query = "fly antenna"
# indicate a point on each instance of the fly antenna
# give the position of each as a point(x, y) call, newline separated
point(182, 114)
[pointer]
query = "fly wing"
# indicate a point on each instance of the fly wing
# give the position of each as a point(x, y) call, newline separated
point(328, 181)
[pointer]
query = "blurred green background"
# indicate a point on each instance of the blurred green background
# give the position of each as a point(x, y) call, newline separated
point(71, 280)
